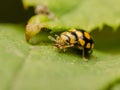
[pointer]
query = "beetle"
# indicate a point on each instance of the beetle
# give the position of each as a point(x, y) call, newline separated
point(78, 38)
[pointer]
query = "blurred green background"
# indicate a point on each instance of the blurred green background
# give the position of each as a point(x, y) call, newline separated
point(13, 11)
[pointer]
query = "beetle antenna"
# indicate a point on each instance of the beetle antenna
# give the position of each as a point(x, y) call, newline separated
point(52, 38)
point(56, 35)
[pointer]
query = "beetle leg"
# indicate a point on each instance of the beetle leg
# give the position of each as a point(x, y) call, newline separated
point(67, 46)
point(83, 53)
point(64, 50)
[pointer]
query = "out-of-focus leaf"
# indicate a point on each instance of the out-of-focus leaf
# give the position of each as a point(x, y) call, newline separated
point(87, 14)
point(83, 14)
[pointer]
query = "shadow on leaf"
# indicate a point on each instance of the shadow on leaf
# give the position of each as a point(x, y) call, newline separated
point(107, 40)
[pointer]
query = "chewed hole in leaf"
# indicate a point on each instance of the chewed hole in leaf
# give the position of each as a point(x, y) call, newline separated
point(107, 40)
point(41, 37)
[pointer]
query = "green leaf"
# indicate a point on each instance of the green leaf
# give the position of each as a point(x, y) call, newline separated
point(13, 52)
point(39, 24)
point(85, 14)
point(26, 67)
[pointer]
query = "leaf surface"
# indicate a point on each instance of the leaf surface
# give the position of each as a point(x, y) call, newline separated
point(26, 67)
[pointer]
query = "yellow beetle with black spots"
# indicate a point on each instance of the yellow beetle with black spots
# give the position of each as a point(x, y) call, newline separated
point(75, 38)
